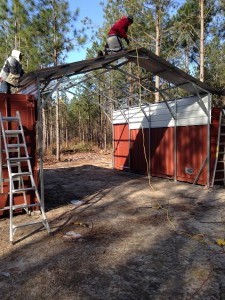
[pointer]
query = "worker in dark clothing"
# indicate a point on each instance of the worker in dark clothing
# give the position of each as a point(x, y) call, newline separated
point(11, 72)
point(116, 33)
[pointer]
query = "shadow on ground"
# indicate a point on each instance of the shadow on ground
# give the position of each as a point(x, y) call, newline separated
point(76, 183)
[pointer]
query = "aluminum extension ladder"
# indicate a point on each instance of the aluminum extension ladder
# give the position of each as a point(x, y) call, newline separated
point(219, 167)
point(20, 175)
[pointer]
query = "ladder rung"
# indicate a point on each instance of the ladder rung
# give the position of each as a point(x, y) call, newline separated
point(29, 223)
point(21, 174)
point(17, 159)
point(14, 191)
point(13, 150)
point(13, 135)
point(21, 206)
point(16, 164)
point(7, 179)
point(9, 132)
point(10, 119)
point(221, 161)
point(220, 171)
point(219, 180)
point(15, 145)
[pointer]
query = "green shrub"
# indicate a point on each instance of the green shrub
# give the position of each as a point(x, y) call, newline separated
point(79, 147)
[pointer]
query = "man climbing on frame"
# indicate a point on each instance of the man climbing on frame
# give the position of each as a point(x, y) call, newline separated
point(11, 73)
point(116, 33)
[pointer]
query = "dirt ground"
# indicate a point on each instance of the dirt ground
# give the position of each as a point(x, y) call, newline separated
point(115, 236)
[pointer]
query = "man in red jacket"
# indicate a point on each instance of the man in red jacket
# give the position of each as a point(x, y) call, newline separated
point(116, 33)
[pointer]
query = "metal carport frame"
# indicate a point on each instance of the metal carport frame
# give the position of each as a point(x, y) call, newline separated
point(62, 78)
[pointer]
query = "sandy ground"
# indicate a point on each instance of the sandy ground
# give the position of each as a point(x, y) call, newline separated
point(113, 236)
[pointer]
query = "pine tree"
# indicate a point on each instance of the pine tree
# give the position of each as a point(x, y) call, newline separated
point(4, 31)
point(51, 34)
point(192, 24)
point(51, 27)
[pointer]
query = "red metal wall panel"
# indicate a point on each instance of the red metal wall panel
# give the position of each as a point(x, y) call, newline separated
point(26, 105)
point(162, 152)
point(191, 150)
point(139, 150)
point(121, 146)
point(213, 142)
point(191, 153)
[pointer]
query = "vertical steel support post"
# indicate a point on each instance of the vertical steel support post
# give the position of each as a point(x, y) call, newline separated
point(40, 143)
point(129, 134)
point(1, 162)
point(209, 140)
point(113, 136)
point(113, 139)
point(207, 112)
point(149, 139)
point(175, 143)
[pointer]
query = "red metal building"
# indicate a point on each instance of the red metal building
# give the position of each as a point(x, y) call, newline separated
point(149, 141)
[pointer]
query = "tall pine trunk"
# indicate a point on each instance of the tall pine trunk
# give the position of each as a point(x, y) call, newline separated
point(201, 75)
point(57, 129)
point(157, 49)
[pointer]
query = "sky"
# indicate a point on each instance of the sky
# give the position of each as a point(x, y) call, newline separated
point(91, 9)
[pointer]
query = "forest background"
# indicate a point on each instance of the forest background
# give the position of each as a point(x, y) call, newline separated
point(190, 34)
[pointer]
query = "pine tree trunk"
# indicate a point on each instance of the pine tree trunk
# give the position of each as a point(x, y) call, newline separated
point(79, 127)
point(66, 136)
point(105, 139)
point(99, 137)
point(44, 130)
point(157, 49)
point(186, 59)
point(201, 4)
point(51, 128)
point(130, 99)
point(57, 129)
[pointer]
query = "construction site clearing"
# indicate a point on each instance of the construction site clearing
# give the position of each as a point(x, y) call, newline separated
point(104, 233)
point(116, 235)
